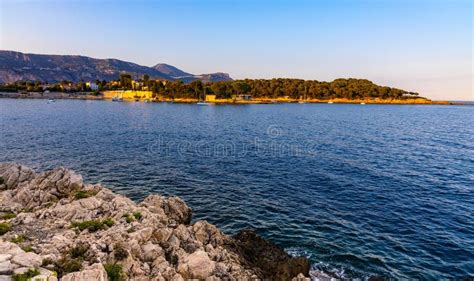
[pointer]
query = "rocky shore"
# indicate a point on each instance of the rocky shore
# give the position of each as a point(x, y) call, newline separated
point(54, 226)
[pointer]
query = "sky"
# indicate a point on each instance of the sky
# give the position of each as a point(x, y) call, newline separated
point(417, 45)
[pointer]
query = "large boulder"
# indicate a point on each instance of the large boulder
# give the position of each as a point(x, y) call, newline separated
point(28, 259)
point(13, 175)
point(6, 267)
point(275, 263)
point(173, 207)
point(207, 233)
point(47, 188)
point(197, 265)
point(5, 257)
point(9, 248)
point(60, 182)
point(95, 272)
point(151, 252)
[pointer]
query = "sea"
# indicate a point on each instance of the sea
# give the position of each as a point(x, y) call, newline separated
point(361, 190)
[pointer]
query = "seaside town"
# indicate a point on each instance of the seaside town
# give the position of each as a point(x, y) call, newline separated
point(123, 89)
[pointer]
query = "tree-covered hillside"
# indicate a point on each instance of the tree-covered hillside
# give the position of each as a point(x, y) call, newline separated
point(275, 88)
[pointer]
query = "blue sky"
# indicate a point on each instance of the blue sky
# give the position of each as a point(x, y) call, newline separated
point(418, 45)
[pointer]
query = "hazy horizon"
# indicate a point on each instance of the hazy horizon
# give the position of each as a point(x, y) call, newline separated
point(423, 46)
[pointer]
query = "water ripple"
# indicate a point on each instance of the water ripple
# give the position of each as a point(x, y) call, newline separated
point(361, 191)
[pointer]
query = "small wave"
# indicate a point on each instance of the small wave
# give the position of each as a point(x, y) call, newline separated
point(298, 252)
point(317, 275)
point(319, 270)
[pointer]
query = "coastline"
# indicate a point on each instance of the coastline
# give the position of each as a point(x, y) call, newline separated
point(90, 96)
point(53, 225)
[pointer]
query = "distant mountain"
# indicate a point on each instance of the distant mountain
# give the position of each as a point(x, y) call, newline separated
point(186, 77)
point(16, 66)
point(170, 70)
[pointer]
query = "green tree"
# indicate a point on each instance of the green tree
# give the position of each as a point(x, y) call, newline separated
point(146, 79)
point(126, 81)
point(197, 88)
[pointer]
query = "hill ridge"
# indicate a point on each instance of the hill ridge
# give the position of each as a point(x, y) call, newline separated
point(19, 66)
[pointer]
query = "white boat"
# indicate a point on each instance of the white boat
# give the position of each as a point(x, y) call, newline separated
point(117, 98)
point(51, 100)
point(362, 103)
point(330, 102)
point(202, 103)
point(301, 102)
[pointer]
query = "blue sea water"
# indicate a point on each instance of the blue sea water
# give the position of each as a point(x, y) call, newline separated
point(362, 190)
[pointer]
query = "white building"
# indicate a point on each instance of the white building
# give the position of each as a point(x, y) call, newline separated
point(93, 86)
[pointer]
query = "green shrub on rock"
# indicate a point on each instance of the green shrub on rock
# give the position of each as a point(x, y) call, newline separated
point(66, 265)
point(94, 225)
point(81, 194)
point(79, 251)
point(4, 228)
point(26, 276)
point(18, 239)
point(120, 253)
point(71, 262)
point(47, 261)
point(8, 215)
point(108, 222)
point(138, 215)
point(127, 217)
point(27, 248)
point(114, 272)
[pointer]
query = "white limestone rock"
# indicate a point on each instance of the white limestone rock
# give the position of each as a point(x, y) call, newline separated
point(95, 272)
point(197, 265)
point(27, 259)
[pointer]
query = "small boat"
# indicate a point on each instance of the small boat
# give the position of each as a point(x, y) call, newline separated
point(301, 102)
point(202, 103)
point(51, 100)
point(147, 101)
point(330, 102)
point(116, 98)
point(362, 103)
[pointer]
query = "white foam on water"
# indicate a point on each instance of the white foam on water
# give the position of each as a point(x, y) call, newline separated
point(319, 271)
point(298, 252)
